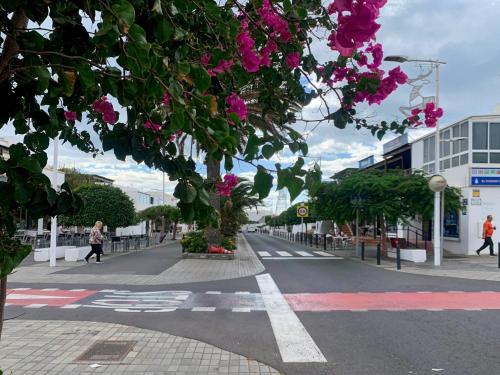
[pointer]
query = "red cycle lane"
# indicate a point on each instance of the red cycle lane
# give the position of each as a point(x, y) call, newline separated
point(46, 297)
point(394, 301)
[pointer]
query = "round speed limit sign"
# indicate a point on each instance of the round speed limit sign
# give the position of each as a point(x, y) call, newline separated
point(302, 211)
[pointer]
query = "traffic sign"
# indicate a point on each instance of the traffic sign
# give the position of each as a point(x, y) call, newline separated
point(485, 180)
point(303, 211)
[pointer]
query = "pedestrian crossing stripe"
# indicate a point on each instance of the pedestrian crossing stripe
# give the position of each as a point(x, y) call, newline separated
point(284, 253)
point(296, 255)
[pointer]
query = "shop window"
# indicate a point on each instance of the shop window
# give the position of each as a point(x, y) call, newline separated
point(455, 161)
point(456, 131)
point(480, 157)
point(495, 136)
point(464, 129)
point(480, 135)
point(464, 159)
point(495, 157)
point(451, 225)
point(446, 164)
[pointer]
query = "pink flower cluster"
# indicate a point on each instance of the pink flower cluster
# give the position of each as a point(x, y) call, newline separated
point(221, 67)
point(355, 24)
point(70, 115)
point(275, 22)
point(224, 188)
point(431, 113)
point(177, 134)
point(166, 99)
point(104, 107)
point(249, 58)
point(292, 60)
point(237, 105)
point(155, 128)
point(386, 86)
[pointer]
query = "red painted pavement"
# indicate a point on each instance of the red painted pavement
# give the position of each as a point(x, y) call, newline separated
point(53, 298)
point(394, 301)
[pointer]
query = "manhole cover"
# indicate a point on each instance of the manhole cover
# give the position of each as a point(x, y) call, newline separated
point(107, 350)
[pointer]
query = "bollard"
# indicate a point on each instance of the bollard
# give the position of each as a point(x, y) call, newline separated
point(324, 242)
point(378, 254)
point(362, 251)
point(317, 240)
point(498, 256)
point(398, 257)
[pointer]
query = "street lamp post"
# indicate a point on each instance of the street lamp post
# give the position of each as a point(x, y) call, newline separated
point(53, 222)
point(437, 194)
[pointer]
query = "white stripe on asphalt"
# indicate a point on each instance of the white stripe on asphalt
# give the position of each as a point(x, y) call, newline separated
point(35, 305)
point(302, 258)
point(323, 254)
point(20, 288)
point(264, 253)
point(77, 290)
point(241, 292)
point(107, 290)
point(294, 342)
point(203, 309)
point(213, 292)
point(304, 253)
point(284, 253)
point(241, 309)
point(49, 289)
point(70, 306)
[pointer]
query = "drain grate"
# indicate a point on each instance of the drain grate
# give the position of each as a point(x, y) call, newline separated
point(107, 350)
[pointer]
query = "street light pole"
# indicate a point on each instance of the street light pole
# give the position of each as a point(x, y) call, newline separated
point(53, 222)
point(437, 194)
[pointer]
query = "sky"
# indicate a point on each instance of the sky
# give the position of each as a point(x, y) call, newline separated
point(463, 33)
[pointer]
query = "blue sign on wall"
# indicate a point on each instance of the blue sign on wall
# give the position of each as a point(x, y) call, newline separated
point(485, 180)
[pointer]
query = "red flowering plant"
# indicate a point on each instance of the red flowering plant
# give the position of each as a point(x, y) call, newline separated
point(153, 77)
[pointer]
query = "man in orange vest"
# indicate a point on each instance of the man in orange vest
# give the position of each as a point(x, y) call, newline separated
point(488, 229)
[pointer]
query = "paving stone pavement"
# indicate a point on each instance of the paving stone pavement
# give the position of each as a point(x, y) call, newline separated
point(245, 263)
point(44, 347)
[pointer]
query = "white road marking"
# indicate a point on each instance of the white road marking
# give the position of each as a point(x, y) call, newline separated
point(304, 253)
point(8, 304)
point(77, 290)
point(70, 306)
point(108, 290)
point(49, 289)
point(213, 292)
point(161, 310)
point(323, 254)
point(35, 305)
point(473, 309)
point(241, 309)
point(284, 253)
point(303, 258)
point(203, 309)
point(294, 342)
point(20, 288)
point(434, 309)
point(241, 292)
point(264, 253)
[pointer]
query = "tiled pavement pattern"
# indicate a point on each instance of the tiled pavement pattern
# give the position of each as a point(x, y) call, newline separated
point(39, 347)
point(245, 263)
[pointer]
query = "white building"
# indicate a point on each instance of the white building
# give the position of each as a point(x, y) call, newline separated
point(469, 159)
point(141, 201)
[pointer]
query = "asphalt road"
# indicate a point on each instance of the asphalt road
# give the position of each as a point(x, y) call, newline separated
point(352, 342)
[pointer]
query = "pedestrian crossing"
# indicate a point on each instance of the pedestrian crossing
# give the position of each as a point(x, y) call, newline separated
point(295, 254)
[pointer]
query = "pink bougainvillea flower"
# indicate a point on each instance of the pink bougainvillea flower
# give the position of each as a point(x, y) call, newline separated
point(151, 125)
point(205, 59)
point(166, 98)
point(225, 187)
point(104, 107)
point(70, 115)
point(432, 114)
point(237, 105)
point(223, 66)
point(292, 60)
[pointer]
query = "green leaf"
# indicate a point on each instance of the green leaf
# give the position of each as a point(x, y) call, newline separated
point(313, 180)
point(43, 78)
point(228, 162)
point(30, 165)
point(125, 13)
point(185, 192)
point(267, 151)
point(201, 78)
point(263, 182)
point(294, 186)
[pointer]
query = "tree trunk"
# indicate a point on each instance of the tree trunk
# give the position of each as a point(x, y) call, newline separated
point(213, 174)
point(174, 232)
point(383, 235)
point(3, 297)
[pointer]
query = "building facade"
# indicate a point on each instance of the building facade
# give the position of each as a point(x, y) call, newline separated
point(469, 159)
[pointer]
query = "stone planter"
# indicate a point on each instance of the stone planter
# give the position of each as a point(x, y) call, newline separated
point(207, 256)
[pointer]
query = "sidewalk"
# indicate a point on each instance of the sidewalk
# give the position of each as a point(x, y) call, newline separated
point(41, 347)
point(245, 263)
point(484, 267)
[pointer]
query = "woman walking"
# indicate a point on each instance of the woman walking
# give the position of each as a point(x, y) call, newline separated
point(95, 240)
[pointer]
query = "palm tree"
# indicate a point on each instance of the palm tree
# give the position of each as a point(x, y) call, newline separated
point(233, 208)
